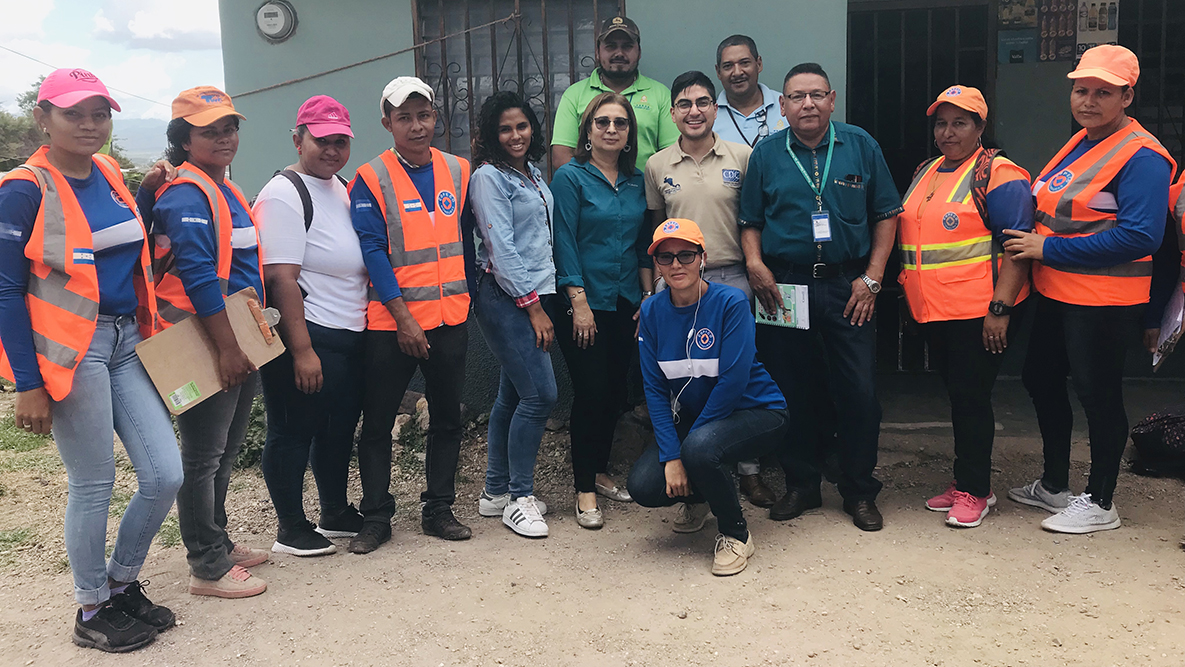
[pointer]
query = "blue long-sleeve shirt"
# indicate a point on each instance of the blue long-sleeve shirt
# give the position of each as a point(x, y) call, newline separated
point(183, 214)
point(117, 239)
point(372, 230)
point(514, 224)
point(1138, 195)
point(704, 355)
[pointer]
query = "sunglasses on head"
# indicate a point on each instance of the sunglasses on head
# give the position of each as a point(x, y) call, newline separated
point(602, 123)
point(685, 257)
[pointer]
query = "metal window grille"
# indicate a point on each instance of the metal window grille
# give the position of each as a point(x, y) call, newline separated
point(1155, 31)
point(546, 47)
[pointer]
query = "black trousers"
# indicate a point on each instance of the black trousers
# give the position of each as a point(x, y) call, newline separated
point(1089, 345)
point(969, 372)
point(388, 372)
point(598, 385)
point(791, 356)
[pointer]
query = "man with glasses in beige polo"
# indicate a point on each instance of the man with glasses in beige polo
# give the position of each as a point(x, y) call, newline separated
point(699, 178)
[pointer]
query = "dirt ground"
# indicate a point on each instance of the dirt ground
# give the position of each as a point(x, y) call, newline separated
point(818, 591)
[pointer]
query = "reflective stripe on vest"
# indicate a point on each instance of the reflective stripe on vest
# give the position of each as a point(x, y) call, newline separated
point(431, 277)
point(1062, 209)
point(62, 295)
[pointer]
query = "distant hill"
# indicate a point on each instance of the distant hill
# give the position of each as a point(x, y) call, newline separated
point(142, 139)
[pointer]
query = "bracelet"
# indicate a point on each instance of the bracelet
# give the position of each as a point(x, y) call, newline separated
point(647, 294)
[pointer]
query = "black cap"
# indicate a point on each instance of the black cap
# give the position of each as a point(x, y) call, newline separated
point(618, 23)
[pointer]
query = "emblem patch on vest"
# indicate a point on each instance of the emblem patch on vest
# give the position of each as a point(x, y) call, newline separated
point(950, 221)
point(119, 200)
point(704, 339)
point(1059, 182)
point(412, 205)
point(446, 202)
point(84, 256)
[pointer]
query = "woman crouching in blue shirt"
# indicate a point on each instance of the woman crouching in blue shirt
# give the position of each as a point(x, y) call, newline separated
point(207, 248)
point(513, 208)
point(712, 403)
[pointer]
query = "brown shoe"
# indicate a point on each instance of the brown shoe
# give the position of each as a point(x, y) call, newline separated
point(754, 488)
point(248, 557)
point(238, 583)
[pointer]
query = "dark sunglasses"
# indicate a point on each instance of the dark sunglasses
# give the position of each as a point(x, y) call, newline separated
point(685, 257)
point(622, 124)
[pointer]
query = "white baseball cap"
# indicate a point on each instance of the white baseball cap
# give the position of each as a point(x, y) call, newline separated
point(400, 88)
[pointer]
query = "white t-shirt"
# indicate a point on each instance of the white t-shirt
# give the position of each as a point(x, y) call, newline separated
point(332, 272)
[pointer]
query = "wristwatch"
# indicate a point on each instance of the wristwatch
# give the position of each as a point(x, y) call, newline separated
point(873, 286)
point(999, 308)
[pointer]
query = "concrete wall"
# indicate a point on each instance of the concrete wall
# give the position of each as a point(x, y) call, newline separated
point(1032, 111)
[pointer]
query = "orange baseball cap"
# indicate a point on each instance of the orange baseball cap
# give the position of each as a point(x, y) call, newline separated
point(964, 97)
point(203, 105)
point(1114, 64)
point(677, 228)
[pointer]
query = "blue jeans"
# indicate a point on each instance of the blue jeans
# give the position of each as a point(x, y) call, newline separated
point(112, 391)
point(743, 435)
point(526, 391)
point(792, 358)
point(322, 423)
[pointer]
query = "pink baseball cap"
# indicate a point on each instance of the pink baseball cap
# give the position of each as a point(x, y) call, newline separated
point(66, 87)
point(324, 116)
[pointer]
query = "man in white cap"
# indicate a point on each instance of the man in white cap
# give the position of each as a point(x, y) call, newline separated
point(406, 206)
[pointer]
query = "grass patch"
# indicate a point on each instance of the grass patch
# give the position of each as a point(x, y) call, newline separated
point(119, 502)
point(170, 532)
point(13, 439)
point(251, 454)
point(10, 540)
point(412, 440)
point(44, 461)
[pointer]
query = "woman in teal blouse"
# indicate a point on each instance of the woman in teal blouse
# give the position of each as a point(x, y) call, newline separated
point(602, 267)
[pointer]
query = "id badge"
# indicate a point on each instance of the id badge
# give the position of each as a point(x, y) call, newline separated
point(821, 224)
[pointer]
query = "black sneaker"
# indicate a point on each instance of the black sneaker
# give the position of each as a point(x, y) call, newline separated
point(134, 603)
point(112, 630)
point(368, 539)
point(441, 523)
point(345, 523)
point(302, 540)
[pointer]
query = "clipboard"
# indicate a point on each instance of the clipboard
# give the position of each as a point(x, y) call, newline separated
point(182, 360)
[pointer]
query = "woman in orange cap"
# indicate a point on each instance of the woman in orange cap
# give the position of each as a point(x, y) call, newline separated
point(207, 248)
point(1100, 213)
point(961, 286)
point(712, 403)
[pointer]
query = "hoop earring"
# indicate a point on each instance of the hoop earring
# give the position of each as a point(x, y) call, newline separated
point(627, 148)
point(588, 145)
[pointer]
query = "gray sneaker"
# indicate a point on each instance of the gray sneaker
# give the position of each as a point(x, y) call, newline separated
point(1036, 495)
point(1083, 515)
point(690, 517)
point(488, 505)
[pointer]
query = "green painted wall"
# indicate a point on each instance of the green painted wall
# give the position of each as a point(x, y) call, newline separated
point(328, 35)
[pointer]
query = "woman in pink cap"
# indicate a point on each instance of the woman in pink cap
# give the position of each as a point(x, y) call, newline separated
point(76, 296)
point(1100, 208)
point(314, 274)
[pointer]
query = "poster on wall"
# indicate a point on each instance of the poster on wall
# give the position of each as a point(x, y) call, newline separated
point(1098, 23)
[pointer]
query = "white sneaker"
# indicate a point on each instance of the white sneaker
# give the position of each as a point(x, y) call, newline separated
point(1083, 515)
point(690, 517)
point(488, 505)
point(523, 517)
point(1036, 495)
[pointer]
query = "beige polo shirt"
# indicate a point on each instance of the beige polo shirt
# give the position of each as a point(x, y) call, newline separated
point(706, 193)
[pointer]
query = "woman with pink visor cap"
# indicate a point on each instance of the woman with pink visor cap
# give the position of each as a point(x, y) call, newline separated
point(76, 295)
point(314, 274)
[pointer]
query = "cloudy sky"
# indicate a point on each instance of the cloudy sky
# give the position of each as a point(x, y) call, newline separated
point(153, 49)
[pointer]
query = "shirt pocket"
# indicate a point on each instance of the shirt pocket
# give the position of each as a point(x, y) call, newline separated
point(963, 273)
point(851, 200)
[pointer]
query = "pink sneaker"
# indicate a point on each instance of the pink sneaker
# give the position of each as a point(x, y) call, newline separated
point(946, 500)
point(968, 510)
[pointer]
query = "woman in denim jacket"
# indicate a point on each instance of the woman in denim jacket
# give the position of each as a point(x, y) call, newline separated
point(513, 208)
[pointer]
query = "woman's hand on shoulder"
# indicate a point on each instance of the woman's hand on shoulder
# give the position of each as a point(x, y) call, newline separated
point(158, 174)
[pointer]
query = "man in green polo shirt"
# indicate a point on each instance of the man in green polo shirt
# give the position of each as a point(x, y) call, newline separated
point(619, 49)
point(818, 210)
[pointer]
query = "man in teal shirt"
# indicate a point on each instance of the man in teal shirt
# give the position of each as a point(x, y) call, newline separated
point(619, 49)
point(819, 209)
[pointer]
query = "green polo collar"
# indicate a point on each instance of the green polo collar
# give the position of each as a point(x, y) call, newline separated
point(640, 83)
point(822, 142)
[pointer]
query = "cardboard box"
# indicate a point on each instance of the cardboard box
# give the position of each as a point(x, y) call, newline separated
point(182, 360)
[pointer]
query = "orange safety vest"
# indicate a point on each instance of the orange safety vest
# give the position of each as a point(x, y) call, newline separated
point(173, 302)
point(1063, 210)
point(428, 259)
point(63, 292)
point(946, 250)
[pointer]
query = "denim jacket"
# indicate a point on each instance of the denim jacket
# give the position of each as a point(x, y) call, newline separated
point(514, 226)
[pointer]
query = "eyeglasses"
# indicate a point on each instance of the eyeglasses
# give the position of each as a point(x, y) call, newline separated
point(602, 123)
point(762, 124)
point(685, 257)
point(703, 104)
point(815, 95)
